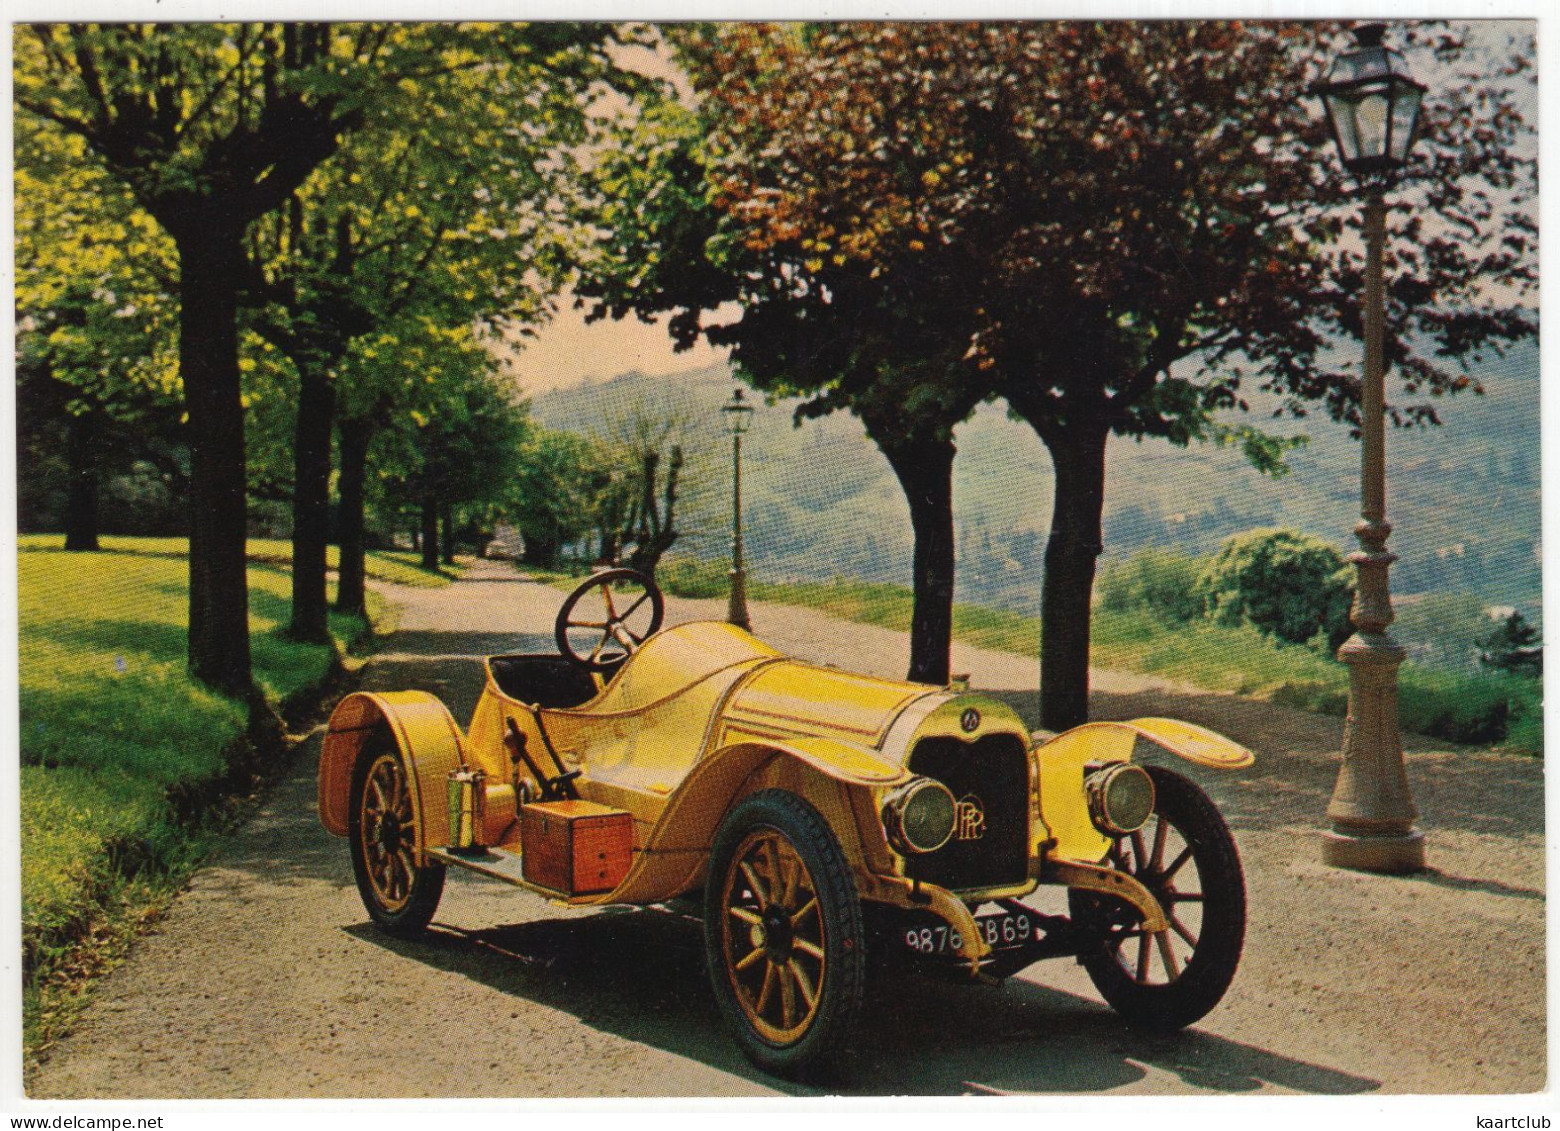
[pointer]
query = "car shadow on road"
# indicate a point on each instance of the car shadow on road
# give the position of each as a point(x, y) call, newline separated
point(639, 974)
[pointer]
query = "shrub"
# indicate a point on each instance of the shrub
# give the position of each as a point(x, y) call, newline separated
point(1289, 585)
point(1159, 581)
point(1513, 646)
point(1442, 629)
point(691, 577)
point(1470, 709)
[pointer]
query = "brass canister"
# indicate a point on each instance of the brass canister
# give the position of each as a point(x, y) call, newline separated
point(467, 803)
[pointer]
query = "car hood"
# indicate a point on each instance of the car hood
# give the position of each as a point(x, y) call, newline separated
point(789, 697)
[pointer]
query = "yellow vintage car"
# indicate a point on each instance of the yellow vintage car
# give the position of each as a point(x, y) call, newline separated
point(824, 820)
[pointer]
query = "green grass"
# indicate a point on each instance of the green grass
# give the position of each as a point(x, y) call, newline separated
point(402, 567)
point(122, 754)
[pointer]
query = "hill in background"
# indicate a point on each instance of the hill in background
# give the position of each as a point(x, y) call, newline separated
point(820, 501)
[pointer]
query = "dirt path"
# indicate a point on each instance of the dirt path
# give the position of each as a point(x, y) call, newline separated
point(266, 979)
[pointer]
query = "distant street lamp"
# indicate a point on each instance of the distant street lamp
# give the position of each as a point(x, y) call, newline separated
point(1373, 107)
point(738, 414)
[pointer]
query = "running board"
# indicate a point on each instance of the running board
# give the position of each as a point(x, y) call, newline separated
point(504, 864)
point(495, 863)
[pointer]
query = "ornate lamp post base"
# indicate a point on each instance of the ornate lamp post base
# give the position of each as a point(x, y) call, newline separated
point(1372, 808)
point(1401, 852)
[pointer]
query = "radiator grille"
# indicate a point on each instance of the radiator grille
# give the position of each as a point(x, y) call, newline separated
point(990, 779)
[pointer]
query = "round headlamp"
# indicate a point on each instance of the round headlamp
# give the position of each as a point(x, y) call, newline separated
point(919, 816)
point(1121, 798)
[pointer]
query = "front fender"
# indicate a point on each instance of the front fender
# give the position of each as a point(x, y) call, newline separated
point(1062, 760)
point(1113, 741)
point(426, 736)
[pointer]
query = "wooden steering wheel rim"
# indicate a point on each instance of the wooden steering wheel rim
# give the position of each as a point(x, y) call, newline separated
point(615, 633)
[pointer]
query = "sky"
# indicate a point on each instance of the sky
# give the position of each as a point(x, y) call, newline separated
point(567, 352)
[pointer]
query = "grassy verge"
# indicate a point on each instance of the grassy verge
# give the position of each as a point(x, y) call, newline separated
point(403, 567)
point(128, 767)
point(1482, 709)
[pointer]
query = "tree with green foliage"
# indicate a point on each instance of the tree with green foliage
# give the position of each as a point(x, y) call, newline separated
point(211, 127)
point(552, 496)
point(439, 205)
point(390, 384)
point(96, 375)
point(449, 437)
point(1289, 585)
point(1136, 221)
point(840, 341)
point(1442, 628)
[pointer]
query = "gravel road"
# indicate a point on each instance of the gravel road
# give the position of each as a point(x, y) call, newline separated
point(266, 979)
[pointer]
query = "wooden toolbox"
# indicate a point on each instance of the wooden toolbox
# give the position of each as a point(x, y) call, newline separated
point(575, 847)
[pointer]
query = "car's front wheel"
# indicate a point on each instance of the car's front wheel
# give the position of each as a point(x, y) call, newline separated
point(1186, 857)
point(783, 934)
point(400, 894)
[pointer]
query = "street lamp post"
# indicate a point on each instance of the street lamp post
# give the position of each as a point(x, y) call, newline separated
point(1373, 107)
point(738, 414)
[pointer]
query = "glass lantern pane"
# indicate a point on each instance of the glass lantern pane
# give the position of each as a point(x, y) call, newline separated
point(1341, 111)
point(1370, 123)
point(1405, 118)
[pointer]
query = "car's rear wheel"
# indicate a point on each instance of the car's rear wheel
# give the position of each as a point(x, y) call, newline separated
point(783, 935)
point(400, 894)
point(1186, 857)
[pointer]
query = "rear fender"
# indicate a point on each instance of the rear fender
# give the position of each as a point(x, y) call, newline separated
point(830, 775)
point(430, 745)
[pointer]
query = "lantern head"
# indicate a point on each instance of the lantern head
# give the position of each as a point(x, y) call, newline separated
point(1372, 105)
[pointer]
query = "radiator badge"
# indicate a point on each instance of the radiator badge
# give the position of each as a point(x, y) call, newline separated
point(971, 822)
point(970, 720)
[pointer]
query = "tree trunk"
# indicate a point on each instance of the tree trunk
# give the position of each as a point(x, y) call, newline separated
point(541, 550)
point(925, 471)
point(81, 507)
point(351, 596)
point(311, 502)
point(609, 547)
point(210, 262)
point(1078, 455)
point(447, 524)
point(430, 532)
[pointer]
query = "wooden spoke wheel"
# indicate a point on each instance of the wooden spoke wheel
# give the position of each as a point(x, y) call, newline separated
point(400, 895)
point(607, 617)
point(784, 935)
point(1186, 857)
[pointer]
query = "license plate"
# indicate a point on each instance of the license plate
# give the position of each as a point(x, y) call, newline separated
point(1003, 929)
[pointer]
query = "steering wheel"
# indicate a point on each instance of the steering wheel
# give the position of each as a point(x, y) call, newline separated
point(625, 608)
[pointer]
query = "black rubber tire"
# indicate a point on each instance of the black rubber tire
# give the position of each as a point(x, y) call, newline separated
point(825, 1044)
point(1206, 974)
point(409, 919)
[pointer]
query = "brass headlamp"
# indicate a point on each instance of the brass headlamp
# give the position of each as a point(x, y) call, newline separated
point(919, 816)
point(1121, 798)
